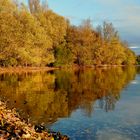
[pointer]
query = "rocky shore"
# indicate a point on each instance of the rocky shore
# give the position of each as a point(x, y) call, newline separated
point(13, 127)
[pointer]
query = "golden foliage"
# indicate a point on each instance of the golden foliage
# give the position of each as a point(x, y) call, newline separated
point(40, 37)
point(56, 94)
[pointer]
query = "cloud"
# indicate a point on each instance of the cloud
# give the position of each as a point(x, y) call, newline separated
point(134, 47)
point(110, 2)
point(111, 134)
point(134, 82)
point(124, 15)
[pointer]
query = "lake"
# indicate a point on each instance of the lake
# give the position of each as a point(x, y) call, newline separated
point(90, 104)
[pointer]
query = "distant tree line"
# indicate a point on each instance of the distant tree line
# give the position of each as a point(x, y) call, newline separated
point(36, 36)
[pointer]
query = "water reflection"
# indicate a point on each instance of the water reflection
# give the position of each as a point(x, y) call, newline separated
point(47, 96)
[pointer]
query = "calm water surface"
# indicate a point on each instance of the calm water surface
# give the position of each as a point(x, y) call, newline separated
point(97, 104)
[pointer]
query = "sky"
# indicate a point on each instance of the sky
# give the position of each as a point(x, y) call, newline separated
point(124, 14)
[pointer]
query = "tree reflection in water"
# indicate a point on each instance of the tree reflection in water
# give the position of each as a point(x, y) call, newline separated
point(47, 96)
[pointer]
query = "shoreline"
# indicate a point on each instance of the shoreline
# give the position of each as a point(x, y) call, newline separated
point(25, 69)
point(43, 69)
point(12, 126)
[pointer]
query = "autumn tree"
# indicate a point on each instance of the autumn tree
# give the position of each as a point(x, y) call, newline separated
point(23, 40)
point(80, 40)
point(130, 57)
point(110, 49)
point(35, 43)
point(9, 33)
point(34, 6)
point(37, 36)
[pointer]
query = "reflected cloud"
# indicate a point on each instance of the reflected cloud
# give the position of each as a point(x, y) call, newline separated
point(134, 82)
point(134, 47)
point(111, 135)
